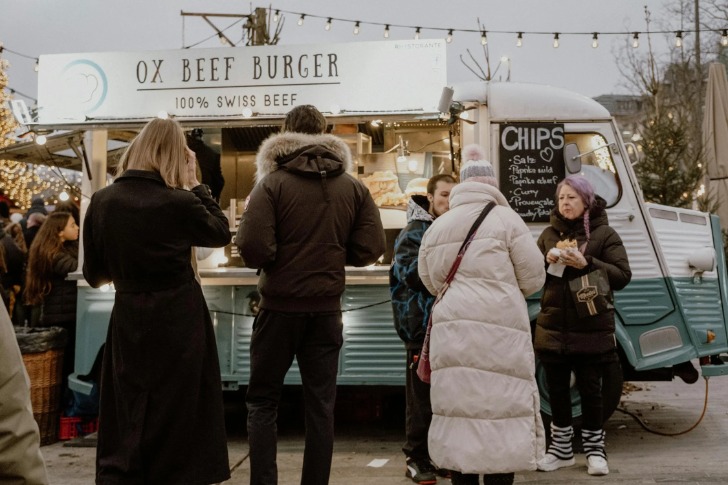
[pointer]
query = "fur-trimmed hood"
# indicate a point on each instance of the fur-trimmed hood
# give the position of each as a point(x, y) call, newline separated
point(286, 143)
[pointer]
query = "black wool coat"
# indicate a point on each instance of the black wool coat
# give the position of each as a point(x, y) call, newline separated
point(559, 330)
point(161, 410)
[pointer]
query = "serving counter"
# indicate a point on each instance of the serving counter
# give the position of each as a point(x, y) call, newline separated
point(372, 353)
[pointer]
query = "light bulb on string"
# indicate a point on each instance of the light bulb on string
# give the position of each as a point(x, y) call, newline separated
point(636, 40)
point(63, 196)
point(724, 38)
point(40, 139)
point(417, 33)
point(519, 40)
point(678, 38)
point(449, 36)
point(276, 16)
point(483, 37)
point(556, 40)
point(356, 28)
point(328, 24)
point(37, 66)
point(300, 19)
point(222, 38)
point(386, 31)
point(595, 40)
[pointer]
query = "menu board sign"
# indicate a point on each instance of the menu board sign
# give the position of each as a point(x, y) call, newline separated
point(531, 165)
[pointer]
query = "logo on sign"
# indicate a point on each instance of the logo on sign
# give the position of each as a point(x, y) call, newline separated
point(586, 294)
point(85, 83)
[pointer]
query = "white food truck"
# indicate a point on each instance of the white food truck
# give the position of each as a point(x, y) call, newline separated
point(386, 99)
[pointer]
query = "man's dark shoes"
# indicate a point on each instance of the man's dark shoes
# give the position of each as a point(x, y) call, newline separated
point(421, 471)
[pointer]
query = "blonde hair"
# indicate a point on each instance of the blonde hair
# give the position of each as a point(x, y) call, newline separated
point(160, 147)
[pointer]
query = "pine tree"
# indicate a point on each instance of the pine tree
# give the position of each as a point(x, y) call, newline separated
point(668, 173)
point(7, 121)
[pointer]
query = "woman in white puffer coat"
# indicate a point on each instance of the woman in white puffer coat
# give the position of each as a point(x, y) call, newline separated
point(485, 400)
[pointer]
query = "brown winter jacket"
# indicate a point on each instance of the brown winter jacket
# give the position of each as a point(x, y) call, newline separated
point(558, 328)
point(307, 218)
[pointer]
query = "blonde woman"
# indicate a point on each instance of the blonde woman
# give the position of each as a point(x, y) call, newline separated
point(161, 411)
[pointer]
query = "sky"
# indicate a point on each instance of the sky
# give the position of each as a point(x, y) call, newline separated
point(37, 27)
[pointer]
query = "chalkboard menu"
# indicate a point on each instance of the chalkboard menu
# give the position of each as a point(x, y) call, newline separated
point(531, 165)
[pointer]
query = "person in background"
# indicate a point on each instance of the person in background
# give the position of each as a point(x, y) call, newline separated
point(52, 256)
point(306, 219)
point(32, 226)
point(209, 161)
point(4, 199)
point(564, 342)
point(4, 213)
point(14, 263)
point(485, 401)
point(411, 303)
point(21, 461)
point(69, 207)
point(161, 416)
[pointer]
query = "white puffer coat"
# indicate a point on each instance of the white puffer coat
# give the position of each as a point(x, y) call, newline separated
point(485, 400)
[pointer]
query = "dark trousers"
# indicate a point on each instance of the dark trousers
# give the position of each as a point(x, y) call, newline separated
point(315, 340)
point(418, 412)
point(494, 479)
point(589, 372)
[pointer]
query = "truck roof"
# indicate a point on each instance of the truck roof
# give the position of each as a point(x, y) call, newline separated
point(525, 101)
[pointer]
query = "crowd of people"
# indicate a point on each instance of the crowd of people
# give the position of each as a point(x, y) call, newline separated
point(461, 271)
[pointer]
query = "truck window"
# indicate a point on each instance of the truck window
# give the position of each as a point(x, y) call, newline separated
point(597, 165)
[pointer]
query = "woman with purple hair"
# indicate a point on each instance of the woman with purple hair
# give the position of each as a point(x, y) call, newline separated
point(577, 241)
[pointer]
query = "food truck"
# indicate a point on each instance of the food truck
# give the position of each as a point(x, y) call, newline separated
point(391, 103)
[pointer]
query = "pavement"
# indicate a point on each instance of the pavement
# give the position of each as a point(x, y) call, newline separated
point(370, 433)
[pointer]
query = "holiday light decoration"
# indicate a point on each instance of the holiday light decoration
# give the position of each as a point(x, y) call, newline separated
point(22, 181)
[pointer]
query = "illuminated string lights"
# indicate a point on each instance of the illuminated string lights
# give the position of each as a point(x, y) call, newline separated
point(449, 33)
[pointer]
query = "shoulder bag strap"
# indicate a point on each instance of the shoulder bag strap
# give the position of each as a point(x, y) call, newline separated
point(464, 247)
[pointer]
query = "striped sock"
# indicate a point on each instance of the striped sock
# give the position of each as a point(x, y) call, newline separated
point(593, 442)
point(561, 442)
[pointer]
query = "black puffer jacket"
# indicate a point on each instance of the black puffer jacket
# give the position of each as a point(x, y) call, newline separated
point(307, 218)
point(59, 306)
point(558, 328)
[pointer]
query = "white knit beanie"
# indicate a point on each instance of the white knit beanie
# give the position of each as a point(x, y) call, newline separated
point(475, 168)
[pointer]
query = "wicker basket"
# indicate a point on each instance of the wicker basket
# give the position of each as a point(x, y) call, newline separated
point(45, 370)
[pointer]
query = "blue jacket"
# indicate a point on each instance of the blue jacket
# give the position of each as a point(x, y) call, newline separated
point(411, 301)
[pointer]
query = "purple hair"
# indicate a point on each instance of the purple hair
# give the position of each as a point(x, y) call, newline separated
point(585, 190)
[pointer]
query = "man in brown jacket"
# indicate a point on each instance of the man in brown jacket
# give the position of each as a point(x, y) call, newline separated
point(307, 218)
point(20, 460)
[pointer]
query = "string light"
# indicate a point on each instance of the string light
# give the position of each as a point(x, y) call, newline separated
point(556, 40)
point(328, 24)
point(483, 38)
point(678, 38)
point(222, 38)
point(300, 19)
point(40, 139)
point(595, 40)
point(519, 40)
point(386, 31)
point(276, 16)
point(417, 33)
point(724, 38)
point(37, 66)
point(449, 36)
point(636, 40)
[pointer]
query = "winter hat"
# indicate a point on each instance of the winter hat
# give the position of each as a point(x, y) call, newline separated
point(36, 205)
point(475, 168)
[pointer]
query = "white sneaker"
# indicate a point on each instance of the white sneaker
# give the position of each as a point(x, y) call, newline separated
point(596, 465)
point(551, 462)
